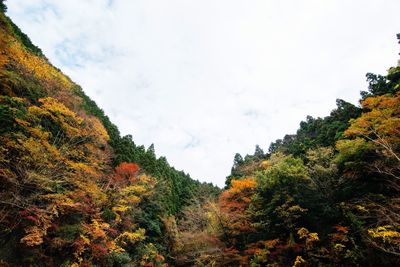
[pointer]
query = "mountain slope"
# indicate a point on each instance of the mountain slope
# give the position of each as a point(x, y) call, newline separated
point(67, 195)
point(326, 196)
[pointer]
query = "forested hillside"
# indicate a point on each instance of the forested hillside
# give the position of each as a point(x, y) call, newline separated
point(325, 196)
point(74, 192)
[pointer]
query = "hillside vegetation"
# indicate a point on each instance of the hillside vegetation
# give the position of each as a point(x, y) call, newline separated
point(325, 196)
point(74, 192)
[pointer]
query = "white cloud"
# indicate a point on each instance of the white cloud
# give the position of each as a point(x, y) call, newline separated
point(206, 79)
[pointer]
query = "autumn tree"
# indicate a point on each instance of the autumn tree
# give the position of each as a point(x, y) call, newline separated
point(371, 153)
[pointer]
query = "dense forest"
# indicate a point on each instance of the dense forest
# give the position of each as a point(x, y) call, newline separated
point(74, 192)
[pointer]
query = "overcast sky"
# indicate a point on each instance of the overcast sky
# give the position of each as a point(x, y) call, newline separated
point(205, 79)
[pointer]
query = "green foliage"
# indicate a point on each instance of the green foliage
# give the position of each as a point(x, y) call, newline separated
point(382, 85)
point(284, 170)
point(74, 192)
point(181, 184)
point(117, 259)
point(22, 37)
point(91, 108)
point(352, 150)
point(3, 7)
point(6, 119)
point(59, 161)
point(69, 232)
point(315, 132)
point(281, 189)
point(328, 195)
point(125, 150)
point(21, 85)
point(378, 85)
point(108, 215)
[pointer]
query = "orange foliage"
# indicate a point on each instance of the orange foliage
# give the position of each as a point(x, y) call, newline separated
point(54, 159)
point(240, 193)
point(39, 66)
point(126, 172)
point(234, 203)
point(381, 124)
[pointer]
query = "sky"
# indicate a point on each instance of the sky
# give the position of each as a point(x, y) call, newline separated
point(205, 79)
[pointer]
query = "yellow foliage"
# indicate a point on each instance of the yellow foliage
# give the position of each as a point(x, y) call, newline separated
point(38, 133)
point(54, 162)
point(56, 107)
point(120, 208)
point(36, 65)
point(351, 148)
point(313, 237)
point(60, 114)
point(386, 233)
point(133, 189)
point(38, 152)
point(113, 247)
point(97, 229)
point(299, 261)
point(152, 258)
point(240, 185)
point(271, 243)
point(4, 40)
point(34, 236)
point(310, 238)
point(132, 200)
point(83, 169)
point(265, 164)
point(303, 232)
point(361, 208)
point(127, 238)
point(97, 129)
point(22, 123)
point(381, 124)
point(339, 247)
point(85, 239)
point(147, 182)
point(69, 204)
point(296, 208)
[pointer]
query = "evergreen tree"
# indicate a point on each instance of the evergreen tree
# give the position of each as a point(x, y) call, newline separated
point(3, 7)
point(259, 153)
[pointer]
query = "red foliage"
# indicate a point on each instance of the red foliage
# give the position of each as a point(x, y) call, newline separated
point(30, 214)
point(126, 172)
point(32, 219)
point(98, 250)
point(234, 202)
point(342, 229)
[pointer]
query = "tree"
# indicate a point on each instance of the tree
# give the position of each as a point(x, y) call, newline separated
point(281, 188)
point(371, 157)
point(379, 128)
point(3, 7)
point(151, 150)
point(124, 173)
point(238, 160)
point(234, 203)
point(259, 153)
